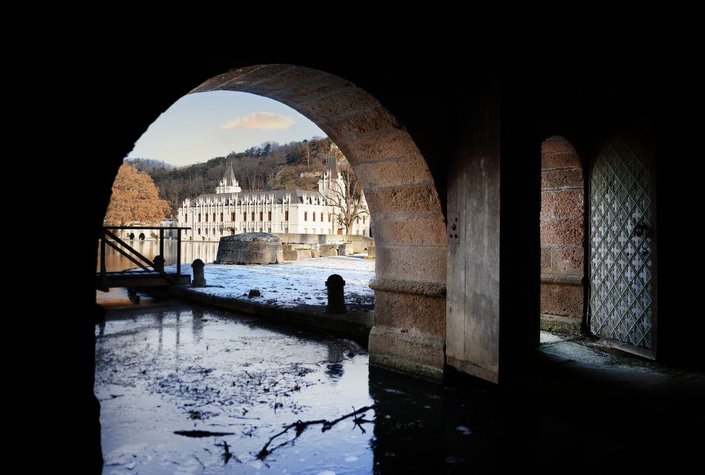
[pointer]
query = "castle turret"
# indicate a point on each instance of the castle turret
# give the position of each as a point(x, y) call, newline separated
point(229, 183)
point(332, 179)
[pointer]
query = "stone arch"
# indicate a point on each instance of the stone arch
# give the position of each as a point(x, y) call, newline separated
point(562, 236)
point(411, 245)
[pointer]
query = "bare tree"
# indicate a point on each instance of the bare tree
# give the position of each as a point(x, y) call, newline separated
point(346, 197)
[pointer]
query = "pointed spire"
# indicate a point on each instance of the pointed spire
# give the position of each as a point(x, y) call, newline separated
point(333, 160)
point(229, 176)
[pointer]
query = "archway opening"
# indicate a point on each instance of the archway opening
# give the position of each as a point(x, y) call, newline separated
point(562, 237)
point(409, 226)
point(411, 246)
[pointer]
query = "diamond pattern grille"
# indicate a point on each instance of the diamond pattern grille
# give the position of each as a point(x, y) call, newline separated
point(621, 244)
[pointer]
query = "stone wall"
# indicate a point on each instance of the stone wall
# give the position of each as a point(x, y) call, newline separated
point(562, 236)
point(250, 248)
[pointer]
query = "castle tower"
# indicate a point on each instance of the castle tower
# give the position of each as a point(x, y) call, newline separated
point(229, 183)
point(331, 179)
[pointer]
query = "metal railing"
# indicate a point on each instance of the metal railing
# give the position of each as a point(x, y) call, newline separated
point(109, 238)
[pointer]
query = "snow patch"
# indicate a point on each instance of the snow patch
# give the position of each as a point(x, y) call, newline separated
point(292, 283)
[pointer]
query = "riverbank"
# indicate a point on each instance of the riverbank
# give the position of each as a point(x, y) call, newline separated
point(292, 293)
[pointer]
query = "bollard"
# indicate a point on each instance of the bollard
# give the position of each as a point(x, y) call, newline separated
point(159, 263)
point(336, 296)
point(199, 279)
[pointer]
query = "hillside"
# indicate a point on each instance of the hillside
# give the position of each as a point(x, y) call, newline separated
point(269, 166)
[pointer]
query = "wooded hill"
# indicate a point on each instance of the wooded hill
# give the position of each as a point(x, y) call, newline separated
point(269, 166)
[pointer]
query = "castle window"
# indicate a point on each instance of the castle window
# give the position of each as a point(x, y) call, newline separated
point(269, 215)
point(185, 218)
point(221, 217)
point(286, 216)
point(214, 217)
point(305, 215)
point(253, 216)
point(199, 220)
point(261, 216)
point(313, 215)
point(244, 216)
point(321, 217)
point(232, 216)
point(206, 217)
point(363, 220)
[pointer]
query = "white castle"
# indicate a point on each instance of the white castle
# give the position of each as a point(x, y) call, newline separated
point(232, 211)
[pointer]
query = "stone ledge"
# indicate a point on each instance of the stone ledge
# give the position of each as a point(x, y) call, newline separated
point(353, 324)
point(561, 324)
point(565, 279)
point(429, 289)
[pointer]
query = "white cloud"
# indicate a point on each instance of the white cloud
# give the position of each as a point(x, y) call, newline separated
point(259, 120)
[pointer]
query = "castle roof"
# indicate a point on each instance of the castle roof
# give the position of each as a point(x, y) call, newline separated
point(229, 175)
point(296, 195)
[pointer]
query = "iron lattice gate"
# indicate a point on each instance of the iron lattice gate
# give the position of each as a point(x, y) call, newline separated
point(621, 266)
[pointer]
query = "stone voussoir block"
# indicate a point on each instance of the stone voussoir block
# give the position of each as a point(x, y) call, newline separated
point(393, 172)
point(340, 104)
point(421, 199)
point(386, 144)
point(368, 122)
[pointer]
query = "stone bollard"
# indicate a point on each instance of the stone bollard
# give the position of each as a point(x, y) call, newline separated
point(336, 296)
point(199, 279)
point(159, 263)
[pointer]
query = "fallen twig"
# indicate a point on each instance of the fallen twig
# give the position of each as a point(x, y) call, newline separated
point(300, 426)
point(200, 433)
point(227, 454)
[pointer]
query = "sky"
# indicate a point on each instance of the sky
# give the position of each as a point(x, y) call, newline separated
point(205, 125)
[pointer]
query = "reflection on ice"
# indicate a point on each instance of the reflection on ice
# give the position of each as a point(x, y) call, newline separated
point(160, 372)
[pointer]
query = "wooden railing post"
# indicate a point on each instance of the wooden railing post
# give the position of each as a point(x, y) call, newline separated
point(102, 253)
point(178, 252)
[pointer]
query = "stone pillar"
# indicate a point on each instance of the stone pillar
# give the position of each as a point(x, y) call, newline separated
point(159, 263)
point(336, 294)
point(408, 335)
point(199, 279)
